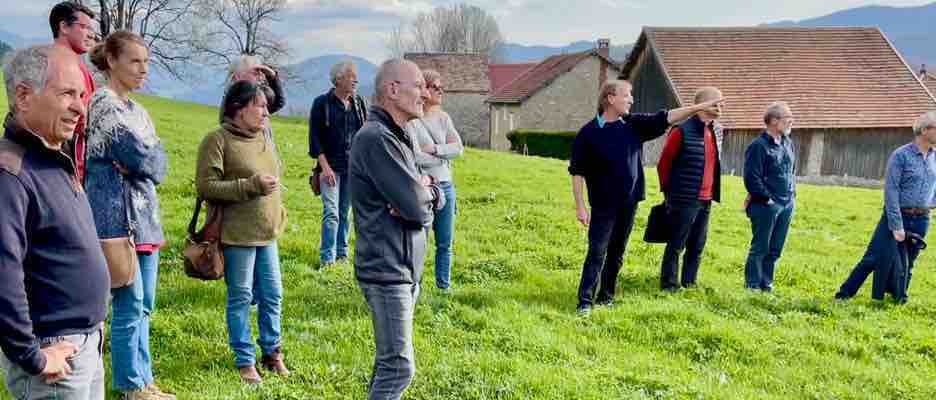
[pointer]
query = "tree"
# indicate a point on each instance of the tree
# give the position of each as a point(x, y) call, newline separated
point(4, 49)
point(237, 27)
point(163, 24)
point(460, 28)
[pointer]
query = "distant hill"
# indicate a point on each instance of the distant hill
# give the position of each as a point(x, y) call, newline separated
point(313, 79)
point(16, 41)
point(517, 53)
point(912, 30)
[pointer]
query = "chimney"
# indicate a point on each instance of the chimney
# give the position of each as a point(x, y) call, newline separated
point(604, 47)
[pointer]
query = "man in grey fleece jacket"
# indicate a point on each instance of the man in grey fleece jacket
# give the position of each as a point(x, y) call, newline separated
point(393, 205)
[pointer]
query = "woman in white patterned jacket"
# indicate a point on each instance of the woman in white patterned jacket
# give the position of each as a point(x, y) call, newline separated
point(125, 162)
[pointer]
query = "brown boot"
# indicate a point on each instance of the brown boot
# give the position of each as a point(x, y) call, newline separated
point(274, 362)
point(250, 375)
point(155, 390)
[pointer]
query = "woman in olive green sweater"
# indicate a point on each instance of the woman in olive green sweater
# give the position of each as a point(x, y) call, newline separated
point(238, 169)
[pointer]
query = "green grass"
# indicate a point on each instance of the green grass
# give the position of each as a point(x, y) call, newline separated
point(509, 330)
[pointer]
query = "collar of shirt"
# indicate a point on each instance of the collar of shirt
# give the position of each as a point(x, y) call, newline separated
point(602, 122)
point(918, 150)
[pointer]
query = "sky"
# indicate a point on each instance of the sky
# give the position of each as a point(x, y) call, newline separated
point(361, 27)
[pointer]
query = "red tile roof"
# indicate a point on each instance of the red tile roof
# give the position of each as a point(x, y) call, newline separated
point(502, 74)
point(831, 77)
point(541, 75)
point(461, 72)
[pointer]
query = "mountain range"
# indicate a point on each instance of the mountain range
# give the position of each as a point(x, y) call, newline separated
point(910, 29)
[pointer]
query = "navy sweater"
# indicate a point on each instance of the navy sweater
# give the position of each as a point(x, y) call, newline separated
point(610, 158)
point(53, 277)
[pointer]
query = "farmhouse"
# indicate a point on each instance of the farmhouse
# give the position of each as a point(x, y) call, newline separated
point(854, 97)
point(559, 93)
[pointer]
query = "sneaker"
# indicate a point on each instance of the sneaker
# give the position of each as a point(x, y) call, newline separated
point(152, 388)
point(250, 375)
point(583, 311)
point(274, 363)
point(842, 296)
point(605, 303)
point(140, 394)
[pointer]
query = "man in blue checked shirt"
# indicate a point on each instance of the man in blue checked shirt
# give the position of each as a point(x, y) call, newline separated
point(909, 195)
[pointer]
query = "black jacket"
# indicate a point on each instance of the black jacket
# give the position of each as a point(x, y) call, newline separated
point(332, 128)
point(53, 277)
point(689, 165)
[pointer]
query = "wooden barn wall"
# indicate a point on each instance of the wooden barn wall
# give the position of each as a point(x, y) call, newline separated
point(861, 152)
point(651, 94)
point(735, 144)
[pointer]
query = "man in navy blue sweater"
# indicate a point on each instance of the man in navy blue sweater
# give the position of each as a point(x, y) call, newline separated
point(607, 157)
point(770, 179)
point(53, 277)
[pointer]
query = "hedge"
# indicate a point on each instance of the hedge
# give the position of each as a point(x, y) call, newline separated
point(554, 144)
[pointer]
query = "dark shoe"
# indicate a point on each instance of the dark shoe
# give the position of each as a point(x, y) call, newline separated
point(274, 362)
point(583, 311)
point(670, 289)
point(767, 289)
point(842, 296)
point(250, 375)
point(605, 303)
point(690, 285)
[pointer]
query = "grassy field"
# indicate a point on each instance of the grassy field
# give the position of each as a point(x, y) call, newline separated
point(509, 330)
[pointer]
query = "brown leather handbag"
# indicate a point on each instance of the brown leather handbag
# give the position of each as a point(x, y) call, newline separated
point(203, 256)
point(120, 253)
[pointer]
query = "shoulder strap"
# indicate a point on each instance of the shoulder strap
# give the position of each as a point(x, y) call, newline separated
point(191, 226)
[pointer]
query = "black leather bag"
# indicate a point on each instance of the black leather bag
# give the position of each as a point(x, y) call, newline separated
point(658, 225)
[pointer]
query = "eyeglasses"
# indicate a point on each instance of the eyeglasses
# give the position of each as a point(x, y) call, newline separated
point(87, 27)
point(437, 88)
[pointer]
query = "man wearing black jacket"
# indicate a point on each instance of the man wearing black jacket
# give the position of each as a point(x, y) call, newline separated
point(54, 280)
point(393, 207)
point(690, 178)
point(607, 157)
point(333, 120)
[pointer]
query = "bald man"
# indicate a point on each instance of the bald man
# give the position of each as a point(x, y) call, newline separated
point(54, 281)
point(690, 179)
point(393, 207)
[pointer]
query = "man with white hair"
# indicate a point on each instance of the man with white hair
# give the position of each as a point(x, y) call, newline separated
point(54, 280)
point(249, 68)
point(909, 195)
point(393, 207)
point(333, 120)
point(770, 179)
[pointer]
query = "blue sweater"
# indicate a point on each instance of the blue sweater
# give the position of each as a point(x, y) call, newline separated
point(122, 132)
point(609, 155)
point(53, 276)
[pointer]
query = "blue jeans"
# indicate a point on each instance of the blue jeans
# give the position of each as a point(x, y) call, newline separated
point(246, 269)
point(391, 309)
point(443, 226)
point(131, 362)
point(86, 382)
point(336, 207)
point(876, 250)
point(770, 224)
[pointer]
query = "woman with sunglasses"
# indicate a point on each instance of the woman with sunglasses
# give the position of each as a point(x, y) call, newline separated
point(437, 143)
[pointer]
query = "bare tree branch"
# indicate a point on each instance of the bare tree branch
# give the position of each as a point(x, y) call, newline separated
point(460, 28)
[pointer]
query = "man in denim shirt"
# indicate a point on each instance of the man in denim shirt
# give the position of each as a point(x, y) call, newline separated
point(770, 179)
point(909, 194)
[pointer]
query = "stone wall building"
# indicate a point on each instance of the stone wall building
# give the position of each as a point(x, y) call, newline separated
point(854, 98)
point(558, 94)
point(465, 79)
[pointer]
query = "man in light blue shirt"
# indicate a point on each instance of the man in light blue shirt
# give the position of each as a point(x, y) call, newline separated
point(909, 195)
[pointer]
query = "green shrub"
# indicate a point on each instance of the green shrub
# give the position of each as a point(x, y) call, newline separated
point(542, 143)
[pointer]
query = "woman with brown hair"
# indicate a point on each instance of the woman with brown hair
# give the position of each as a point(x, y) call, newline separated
point(125, 162)
point(238, 169)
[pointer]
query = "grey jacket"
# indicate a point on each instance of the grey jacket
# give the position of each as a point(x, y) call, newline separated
point(383, 177)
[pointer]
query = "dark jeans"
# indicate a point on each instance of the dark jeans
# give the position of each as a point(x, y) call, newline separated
point(607, 240)
point(689, 224)
point(879, 248)
point(769, 226)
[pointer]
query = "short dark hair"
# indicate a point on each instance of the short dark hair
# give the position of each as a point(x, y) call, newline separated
point(66, 11)
point(238, 96)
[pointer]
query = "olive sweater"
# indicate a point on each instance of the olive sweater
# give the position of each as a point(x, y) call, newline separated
point(230, 163)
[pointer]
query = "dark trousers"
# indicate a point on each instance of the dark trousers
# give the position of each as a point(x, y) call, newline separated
point(607, 240)
point(883, 246)
point(769, 226)
point(689, 224)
